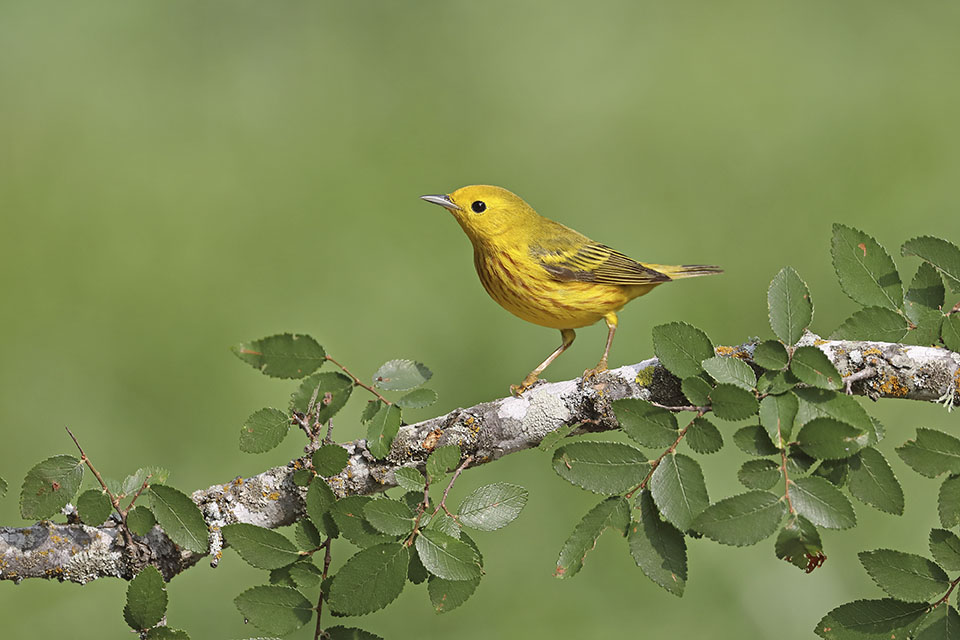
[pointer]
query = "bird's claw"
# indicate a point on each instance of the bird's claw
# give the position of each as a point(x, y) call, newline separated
point(528, 382)
point(597, 370)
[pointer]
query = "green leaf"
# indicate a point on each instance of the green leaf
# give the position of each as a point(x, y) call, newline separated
point(776, 382)
point(94, 507)
point(389, 516)
point(931, 453)
point(382, 429)
point(771, 354)
point(789, 305)
point(777, 414)
point(447, 595)
point(830, 439)
point(261, 548)
point(446, 557)
point(416, 572)
point(759, 474)
point(306, 534)
point(821, 503)
point(703, 437)
point(444, 524)
point(943, 255)
point(409, 479)
point(866, 271)
point(815, 403)
point(349, 633)
point(554, 437)
point(742, 520)
point(442, 460)
point(492, 506)
point(612, 513)
point(733, 403)
point(319, 500)
point(696, 390)
point(813, 367)
point(370, 410)
point(601, 467)
point(166, 633)
point(948, 502)
point(179, 517)
point(799, 543)
point(730, 370)
point(282, 356)
point(872, 323)
point(679, 490)
point(922, 304)
point(834, 471)
point(305, 574)
point(798, 463)
point(400, 375)
point(330, 460)
point(329, 392)
point(264, 430)
point(146, 599)
point(418, 399)
point(873, 482)
point(370, 580)
point(658, 548)
point(905, 575)
point(753, 440)
point(681, 348)
point(274, 609)
point(943, 623)
point(646, 424)
point(140, 520)
point(348, 513)
point(945, 547)
point(885, 618)
point(132, 483)
point(950, 332)
point(49, 486)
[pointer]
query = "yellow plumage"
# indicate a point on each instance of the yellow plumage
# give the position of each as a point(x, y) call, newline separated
point(549, 274)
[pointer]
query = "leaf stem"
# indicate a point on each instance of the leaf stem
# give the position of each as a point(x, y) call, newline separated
point(326, 566)
point(357, 382)
point(656, 463)
point(113, 499)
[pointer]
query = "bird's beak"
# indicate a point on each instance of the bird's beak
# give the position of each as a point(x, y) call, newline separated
point(443, 201)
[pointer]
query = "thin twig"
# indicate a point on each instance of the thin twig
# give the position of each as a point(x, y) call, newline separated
point(96, 474)
point(357, 382)
point(143, 487)
point(956, 309)
point(863, 374)
point(683, 407)
point(656, 463)
point(326, 567)
point(443, 499)
point(421, 509)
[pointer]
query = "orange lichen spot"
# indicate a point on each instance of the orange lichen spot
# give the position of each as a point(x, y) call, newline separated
point(469, 421)
point(872, 351)
point(725, 351)
point(218, 555)
point(274, 495)
point(891, 386)
point(298, 464)
point(430, 442)
point(819, 341)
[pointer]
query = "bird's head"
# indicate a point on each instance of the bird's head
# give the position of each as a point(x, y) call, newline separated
point(486, 211)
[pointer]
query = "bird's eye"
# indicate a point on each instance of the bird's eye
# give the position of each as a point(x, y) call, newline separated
point(478, 206)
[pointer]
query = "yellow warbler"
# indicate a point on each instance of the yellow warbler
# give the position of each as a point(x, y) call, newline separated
point(549, 274)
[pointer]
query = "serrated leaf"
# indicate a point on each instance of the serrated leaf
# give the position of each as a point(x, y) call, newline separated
point(601, 467)
point(885, 618)
point(943, 255)
point(282, 356)
point(646, 424)
point(492, 506)
point(865, 270)
point(931, 453)
point(416, 572)
point(389, 516)
point(815, 403)
point(789, 305)
point(444, 524)
point(370, 410)
point(612, 513)
point(307, 535)
point(140, 520)
point(179, 517)
point(872, 323)
point(730, 370)
point(447, 595)
point(409, 479)
point(777, 414)
point(821, 503)
point(166, 633)
point(330, 460)
point(943, 623)
point(696, 390)
point(829, 439)
point(305, 574)
point(776, 382)
point(813, 367)
point(370, 580)
point(741, 520)
point(799, 543)
point(442, 460)
point(679, 490)
point(382, 429)
point(872, 481)
point(349, 633)
point(833, 471)
point(658, 548)
point(446, 557)
point(49, 486)
point(731, 402)
point(320, 498)
point(798, 463)
point(400, 375)
point(948, 502)
point(922, 304)
point(418, 399)
point(759, 474)
point(771, 354)
point(329, 391)
point(753, 440)
point(554, 437)
point(274, 609)
point(264, 430)
point(94, 507)
point(151, 475)
point(703, 437)
point(950, 332)
point(348, 513)
point(904, 575)
point(945, 547)
point(681, 348)
point(146, 599)
point(261, 548)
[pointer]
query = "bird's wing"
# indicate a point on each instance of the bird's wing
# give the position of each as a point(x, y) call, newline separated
point(576, 258)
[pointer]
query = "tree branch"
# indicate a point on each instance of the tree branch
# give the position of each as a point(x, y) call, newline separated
point(487, 431)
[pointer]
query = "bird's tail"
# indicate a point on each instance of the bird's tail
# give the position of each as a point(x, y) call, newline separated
point(686, 270)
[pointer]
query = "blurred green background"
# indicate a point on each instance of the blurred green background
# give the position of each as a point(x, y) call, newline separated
point(178, 176)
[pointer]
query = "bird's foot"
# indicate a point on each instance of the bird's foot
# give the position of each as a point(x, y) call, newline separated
point(592, 373)
point(518, 389)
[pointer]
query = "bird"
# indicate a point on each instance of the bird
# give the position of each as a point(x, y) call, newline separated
point(548, 274)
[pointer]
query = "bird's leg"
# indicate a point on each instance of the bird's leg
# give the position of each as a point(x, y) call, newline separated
point(567, 335)
point(611, 319)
